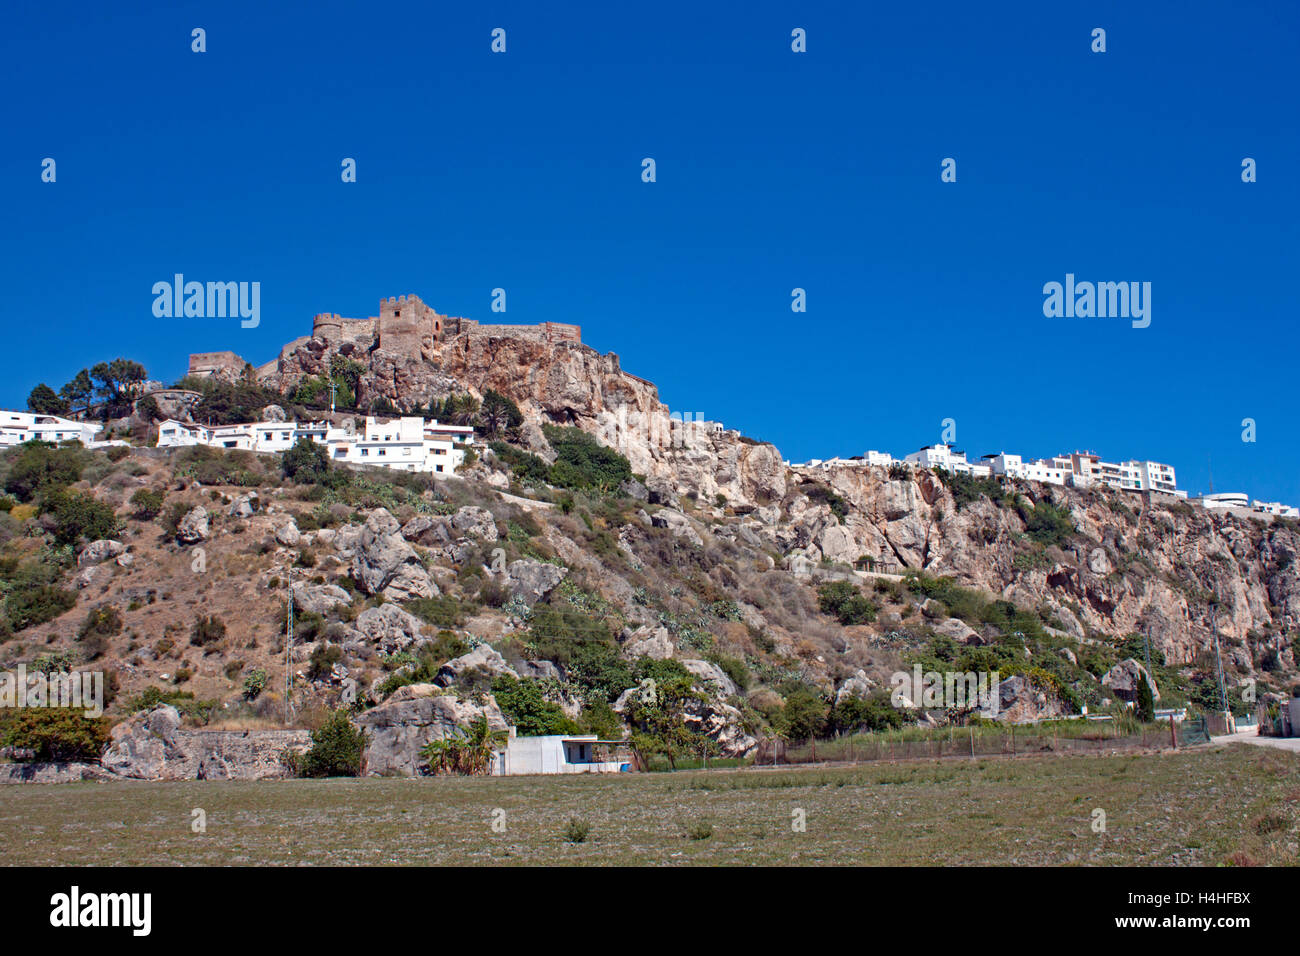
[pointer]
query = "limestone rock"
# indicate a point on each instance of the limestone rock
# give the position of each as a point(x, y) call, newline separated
point(152, 745)
point(959, 631)
point(319, 598)
point(633, 489)
point(384, 563)
point(711, 673)
point(1122, 680)
point(677, 523)
point(532, 580)
point(193, 528)
point(389, 628)
point(655, 643)
point(859, 685)
point(287, 534)
point(245, 506)
point(400, 727)
point(99, 551)
point(540, 670)
point(482, 658)
point(475, 522)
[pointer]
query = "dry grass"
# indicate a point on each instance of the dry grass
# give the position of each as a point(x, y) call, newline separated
point(1200, 807)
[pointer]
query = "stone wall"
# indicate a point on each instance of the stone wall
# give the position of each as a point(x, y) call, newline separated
point(216, 364)
point(406, 326)
point(152, 745)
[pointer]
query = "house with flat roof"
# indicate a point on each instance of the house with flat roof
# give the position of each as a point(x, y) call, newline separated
point(561, 753)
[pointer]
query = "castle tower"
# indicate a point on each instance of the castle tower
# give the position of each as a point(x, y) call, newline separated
point(406, 323)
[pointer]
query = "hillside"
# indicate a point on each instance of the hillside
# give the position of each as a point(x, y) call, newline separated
point(596, 546)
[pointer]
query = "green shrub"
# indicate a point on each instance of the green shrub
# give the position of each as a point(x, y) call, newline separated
point(337, 748)
point(207, 630)
point(581, 462)
point(148, 503)
point(54, 733)
point(322, 660)
point(442, 611)
point(803, 716)
point(35, 604)
point(78, 516)
point(1046, 523)
point(576, 830)
point(39, 465)
point(523, 705)
point(845, 602)
point(307, 462)
point(254, 683)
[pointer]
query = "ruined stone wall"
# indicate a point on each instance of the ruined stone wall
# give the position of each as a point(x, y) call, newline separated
point(548, 332)
point(338, 330)
point(216, 364)
point(405, 325)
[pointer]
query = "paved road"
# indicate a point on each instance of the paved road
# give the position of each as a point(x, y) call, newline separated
point(1251, 737)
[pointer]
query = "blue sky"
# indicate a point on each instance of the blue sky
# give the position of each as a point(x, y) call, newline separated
point(775, 170)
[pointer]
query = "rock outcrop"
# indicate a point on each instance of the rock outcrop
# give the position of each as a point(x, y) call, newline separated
point(400, 727)
point(383, 563)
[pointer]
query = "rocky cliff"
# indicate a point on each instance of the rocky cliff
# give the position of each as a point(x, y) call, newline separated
point(1134, 564)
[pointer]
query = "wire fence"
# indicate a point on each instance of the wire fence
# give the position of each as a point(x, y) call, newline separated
point(960, 742)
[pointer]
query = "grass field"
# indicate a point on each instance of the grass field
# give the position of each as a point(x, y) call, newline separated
point(1208, 806)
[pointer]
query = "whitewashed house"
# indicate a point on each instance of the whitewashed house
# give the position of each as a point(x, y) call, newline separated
point(943, 456)
point(560, 753)
point(405, 444)
point(19, 427)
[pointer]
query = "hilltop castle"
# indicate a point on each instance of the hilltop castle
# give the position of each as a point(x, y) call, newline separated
point(404, 326)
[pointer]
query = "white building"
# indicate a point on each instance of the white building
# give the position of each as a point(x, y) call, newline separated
point(1224, 500)
point(1275, 508)
point(943, 456)
point(406, 444)
point(19, 427)
point(559, 753)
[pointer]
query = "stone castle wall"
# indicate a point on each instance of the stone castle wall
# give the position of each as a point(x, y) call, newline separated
point(406, 325)
point(212, 364)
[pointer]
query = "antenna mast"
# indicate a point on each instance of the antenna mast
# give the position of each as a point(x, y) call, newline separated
point(288, 647)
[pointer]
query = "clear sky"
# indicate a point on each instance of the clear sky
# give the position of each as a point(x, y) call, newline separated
point(775, 170)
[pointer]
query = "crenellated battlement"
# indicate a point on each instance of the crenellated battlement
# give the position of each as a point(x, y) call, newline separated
point(405, 324)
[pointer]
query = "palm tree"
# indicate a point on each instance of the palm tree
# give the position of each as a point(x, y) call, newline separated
point(469, 753)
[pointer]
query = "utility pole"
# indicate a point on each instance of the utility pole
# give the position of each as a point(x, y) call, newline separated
point(288, 647)
point(333, 389)
point(1218, 658)
point(1146, 644)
